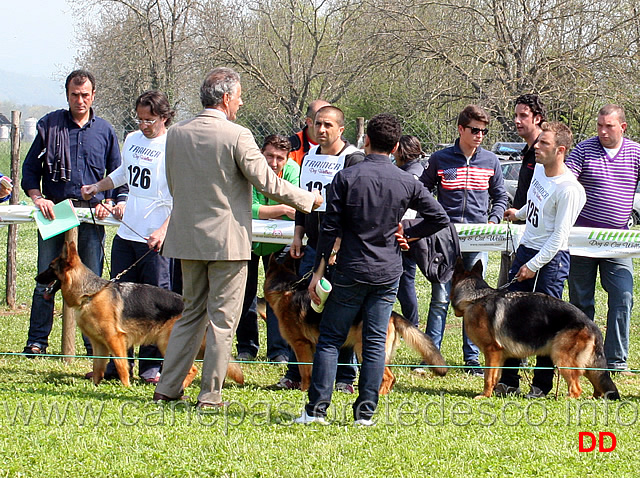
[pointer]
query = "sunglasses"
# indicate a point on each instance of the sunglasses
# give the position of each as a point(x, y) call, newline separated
point(484, 131)
point(147, 122)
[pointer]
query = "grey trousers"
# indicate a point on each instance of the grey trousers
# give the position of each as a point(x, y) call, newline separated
point(213, 293)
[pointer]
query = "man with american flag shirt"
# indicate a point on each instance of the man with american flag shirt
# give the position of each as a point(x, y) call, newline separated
point(469, 185)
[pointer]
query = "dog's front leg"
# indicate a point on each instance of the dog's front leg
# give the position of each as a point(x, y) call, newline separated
point(493, 358)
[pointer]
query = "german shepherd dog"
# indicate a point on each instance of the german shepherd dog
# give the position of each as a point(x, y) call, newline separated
point(299, 325)
point(507, 324)
point(117, 315)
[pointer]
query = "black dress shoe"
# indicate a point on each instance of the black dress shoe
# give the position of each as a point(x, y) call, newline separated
point(30, 351)
point(159, 397)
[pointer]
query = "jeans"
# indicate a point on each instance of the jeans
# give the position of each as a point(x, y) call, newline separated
point(407, 290)
point(247, 332)
point(437, 318)
point(91, 250)
point(154, 269)
point(549, 280)
point(346, 373)
point(346, 300)
point(616, 277)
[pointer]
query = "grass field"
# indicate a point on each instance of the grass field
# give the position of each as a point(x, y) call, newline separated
point(55, 423)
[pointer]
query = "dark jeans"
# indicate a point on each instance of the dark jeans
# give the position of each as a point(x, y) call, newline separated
point(346, 373)
point(549, 280)
point(407, 290)
point(91, 250)
point(346, 300)
point(154, 269)
point(247, 331)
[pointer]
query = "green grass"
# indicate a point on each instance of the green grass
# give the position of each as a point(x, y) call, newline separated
point(427, 426)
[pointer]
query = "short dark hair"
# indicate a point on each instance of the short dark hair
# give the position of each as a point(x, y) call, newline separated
point(564, 136)
point(278, 141)
point(78, 77)
point(609, 109)
point(158, 103)
point(384, 132)
point(409, 148)
point(336, 110)
point(218, 82)
point(473, 112)
point(535, 104)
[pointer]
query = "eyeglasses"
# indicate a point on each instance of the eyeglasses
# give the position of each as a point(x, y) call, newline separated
point(145, 122)
point(474, 130)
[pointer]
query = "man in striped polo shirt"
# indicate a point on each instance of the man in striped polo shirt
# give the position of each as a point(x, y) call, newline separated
point(608, 166)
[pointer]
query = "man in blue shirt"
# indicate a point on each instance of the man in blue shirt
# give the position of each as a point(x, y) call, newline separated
point(364, 207)
point(73, 147)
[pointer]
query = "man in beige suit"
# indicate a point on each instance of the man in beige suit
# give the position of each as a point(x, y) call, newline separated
point(211, 165)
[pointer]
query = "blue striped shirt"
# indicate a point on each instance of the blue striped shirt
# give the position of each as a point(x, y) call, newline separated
point(610, 183)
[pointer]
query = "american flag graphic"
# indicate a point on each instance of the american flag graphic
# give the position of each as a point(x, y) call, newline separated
point(466, 178)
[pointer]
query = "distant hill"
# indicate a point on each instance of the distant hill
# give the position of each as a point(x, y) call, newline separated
point(31, 90)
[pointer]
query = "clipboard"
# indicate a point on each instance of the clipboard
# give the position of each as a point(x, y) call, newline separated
point(66, 219)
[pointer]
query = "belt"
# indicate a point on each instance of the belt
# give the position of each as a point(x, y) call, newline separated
point(77, 202)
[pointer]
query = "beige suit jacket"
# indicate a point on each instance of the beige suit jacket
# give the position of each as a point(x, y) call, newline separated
point(211, 164)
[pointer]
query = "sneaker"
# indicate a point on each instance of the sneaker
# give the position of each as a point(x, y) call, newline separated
point(288, 384)
point(305, 419)
point(363, 422)
point(279, 359)
point(473, 369)
point(344, 387)
point(504, 390)
point(420, 370)
point(535, 392)
point(245, 357)
point(623, 371)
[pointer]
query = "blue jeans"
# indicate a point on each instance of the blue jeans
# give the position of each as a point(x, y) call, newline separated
point(407, 290)
point(154, 269)
point(437, 318)
point(346, 373)
point(91, 250)
point(346, 300)
point(616, 277)
point(549, 280)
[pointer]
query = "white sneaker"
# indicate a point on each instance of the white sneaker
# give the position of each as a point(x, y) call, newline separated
point(363, 422)
point(305, 419)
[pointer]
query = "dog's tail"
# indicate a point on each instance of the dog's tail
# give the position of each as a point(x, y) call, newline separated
point(603, 385)
point(421, 343)
point(234, 372)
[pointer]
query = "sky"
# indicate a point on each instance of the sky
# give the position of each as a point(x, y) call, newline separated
point(37, 39)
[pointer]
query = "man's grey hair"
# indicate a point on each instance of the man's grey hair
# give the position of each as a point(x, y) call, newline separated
point(218, 82)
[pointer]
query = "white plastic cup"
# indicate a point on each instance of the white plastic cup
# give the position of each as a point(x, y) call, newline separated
point(323, 288)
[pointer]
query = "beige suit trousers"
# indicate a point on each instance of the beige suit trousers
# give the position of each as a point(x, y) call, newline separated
point(213, 293)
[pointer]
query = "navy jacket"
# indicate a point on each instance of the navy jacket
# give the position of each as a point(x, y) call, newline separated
point(470, 192)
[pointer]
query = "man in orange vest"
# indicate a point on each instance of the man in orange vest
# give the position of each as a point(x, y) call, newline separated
point(304, 139)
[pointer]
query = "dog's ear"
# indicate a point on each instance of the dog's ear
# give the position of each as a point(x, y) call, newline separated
point(65, 250)
point(477, 268)
point(459, 266)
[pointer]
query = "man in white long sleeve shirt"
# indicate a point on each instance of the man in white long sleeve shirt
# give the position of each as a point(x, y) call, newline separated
point(554, 200)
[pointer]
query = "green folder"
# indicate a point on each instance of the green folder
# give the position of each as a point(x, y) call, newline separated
point(66, 219)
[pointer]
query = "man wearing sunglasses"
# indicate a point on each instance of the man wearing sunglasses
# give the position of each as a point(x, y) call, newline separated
point(470, 187)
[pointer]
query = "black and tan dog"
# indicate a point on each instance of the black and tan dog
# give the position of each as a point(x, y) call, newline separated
point(299, 325)
point(117, 315)
point(507, 324)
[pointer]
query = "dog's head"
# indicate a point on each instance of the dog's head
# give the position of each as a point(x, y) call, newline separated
point(464, 286)
point(58, 268)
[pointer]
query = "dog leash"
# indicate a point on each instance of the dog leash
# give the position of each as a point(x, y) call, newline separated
point(118, 276)
point(301, 280)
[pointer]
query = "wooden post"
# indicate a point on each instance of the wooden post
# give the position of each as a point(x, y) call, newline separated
point(12, 233)
point(68, 316)
point(359, 131)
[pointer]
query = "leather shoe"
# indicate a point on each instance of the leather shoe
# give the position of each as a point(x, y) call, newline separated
point(159, 397)
point(211, 406)
point(30, 351)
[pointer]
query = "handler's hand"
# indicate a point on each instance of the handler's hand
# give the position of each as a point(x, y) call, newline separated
point(46, 207)
point(312, 288)
point(295, 250)
point(318, 199)
point(402, 241)
point(88, 191)
point(510, 214)
point(525, 273)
